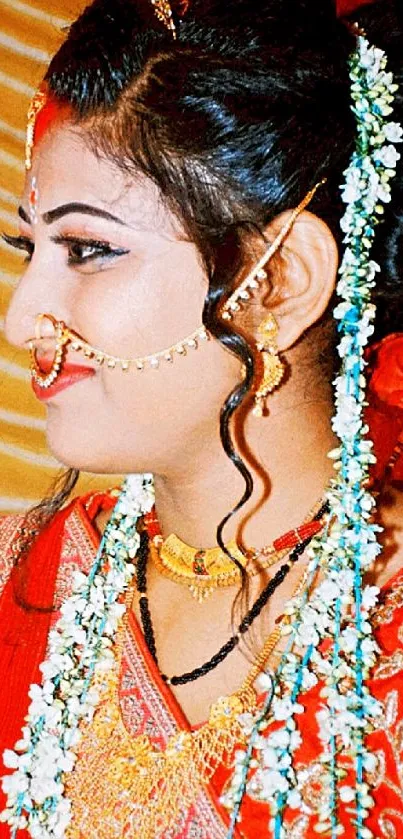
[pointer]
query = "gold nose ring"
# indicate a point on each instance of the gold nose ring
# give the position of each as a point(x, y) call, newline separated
point(38, 326)
point(61, 337)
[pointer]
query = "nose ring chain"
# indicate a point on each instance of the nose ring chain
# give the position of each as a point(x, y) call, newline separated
point(63, 336)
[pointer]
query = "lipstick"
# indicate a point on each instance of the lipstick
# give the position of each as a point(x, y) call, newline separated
point(70, 374)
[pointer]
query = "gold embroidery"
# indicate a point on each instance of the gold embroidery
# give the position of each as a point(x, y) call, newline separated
point(388, 829)
point(392, 599)
point(391, 723)
point(391, 707)
point(311, 786)
point(126, 785)
point(389, 665)
point(298, 828)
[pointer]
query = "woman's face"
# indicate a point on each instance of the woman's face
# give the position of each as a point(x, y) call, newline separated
point(120, 272)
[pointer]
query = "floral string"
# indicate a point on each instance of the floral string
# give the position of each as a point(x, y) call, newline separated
point(339, 607)
point(80, 646)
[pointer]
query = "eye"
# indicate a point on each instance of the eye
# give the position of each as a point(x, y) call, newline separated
point(21, 243)
point(84, 251)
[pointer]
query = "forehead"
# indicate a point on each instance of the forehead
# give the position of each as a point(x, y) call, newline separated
point(66, 170)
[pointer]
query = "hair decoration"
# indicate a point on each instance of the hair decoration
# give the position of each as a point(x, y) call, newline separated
point(339, 608)
point(38, 101)
point(163, 11)
point(82, 635)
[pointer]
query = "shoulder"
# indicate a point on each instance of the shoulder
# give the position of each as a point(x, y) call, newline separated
point(66, 544)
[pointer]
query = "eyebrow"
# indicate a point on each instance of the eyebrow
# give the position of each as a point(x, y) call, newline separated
point(73, 207)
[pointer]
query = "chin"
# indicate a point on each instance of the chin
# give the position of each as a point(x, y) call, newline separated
point(75, 452)
point(88, 453)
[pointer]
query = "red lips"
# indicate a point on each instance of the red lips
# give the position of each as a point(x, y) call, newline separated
point(69, 375)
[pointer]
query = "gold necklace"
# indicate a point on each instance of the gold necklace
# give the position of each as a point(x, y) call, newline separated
point(203, 571)
point(126, 784)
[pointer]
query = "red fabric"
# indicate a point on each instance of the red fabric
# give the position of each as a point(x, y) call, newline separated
point(26, 631)
point(347, 7)
point(23, 634)
point(385, 397)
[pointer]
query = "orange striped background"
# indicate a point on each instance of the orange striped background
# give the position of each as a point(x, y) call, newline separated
point(30, 31)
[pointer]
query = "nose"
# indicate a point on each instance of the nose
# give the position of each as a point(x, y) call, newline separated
point(35, 295)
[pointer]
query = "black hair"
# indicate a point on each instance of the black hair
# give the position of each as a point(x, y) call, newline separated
point(234, 121)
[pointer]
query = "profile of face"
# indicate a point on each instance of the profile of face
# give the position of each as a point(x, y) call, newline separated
point(108, 259)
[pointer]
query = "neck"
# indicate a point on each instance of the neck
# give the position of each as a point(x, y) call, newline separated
point(290, 446)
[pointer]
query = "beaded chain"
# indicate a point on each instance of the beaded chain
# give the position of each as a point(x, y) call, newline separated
point(245, 624)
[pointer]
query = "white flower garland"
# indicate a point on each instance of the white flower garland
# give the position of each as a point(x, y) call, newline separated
point(339, 608)
point(80, 645)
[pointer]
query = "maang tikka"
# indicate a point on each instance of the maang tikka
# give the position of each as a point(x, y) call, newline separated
point(273, 367)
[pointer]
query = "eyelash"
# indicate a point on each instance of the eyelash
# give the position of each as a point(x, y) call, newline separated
point(21, 243)
point(99, 249)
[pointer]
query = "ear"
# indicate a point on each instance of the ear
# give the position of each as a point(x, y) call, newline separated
point(304, 277)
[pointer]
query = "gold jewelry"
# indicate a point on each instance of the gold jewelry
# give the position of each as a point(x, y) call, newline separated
point(202, 572)
point(65, 336)
point(61, 338)
point(122, 783)
point(37, 103)
point(151, 361)
point(244, 291)
point(163, 12)
point(273, 367)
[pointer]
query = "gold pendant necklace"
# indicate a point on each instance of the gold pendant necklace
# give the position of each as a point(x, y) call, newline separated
point(203, 571)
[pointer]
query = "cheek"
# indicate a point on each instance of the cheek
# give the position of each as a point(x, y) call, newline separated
point(144, 308)
point(185, 392)
point(143, 421)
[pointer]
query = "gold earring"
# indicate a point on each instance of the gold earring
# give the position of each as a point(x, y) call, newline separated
point(273, 367)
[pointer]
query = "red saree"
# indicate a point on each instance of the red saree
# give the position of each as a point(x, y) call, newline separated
point(148, 706)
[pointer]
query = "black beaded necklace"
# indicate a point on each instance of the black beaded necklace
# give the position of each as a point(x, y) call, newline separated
point(246, 623)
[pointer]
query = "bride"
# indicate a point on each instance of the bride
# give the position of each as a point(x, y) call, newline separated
point(212, 649)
